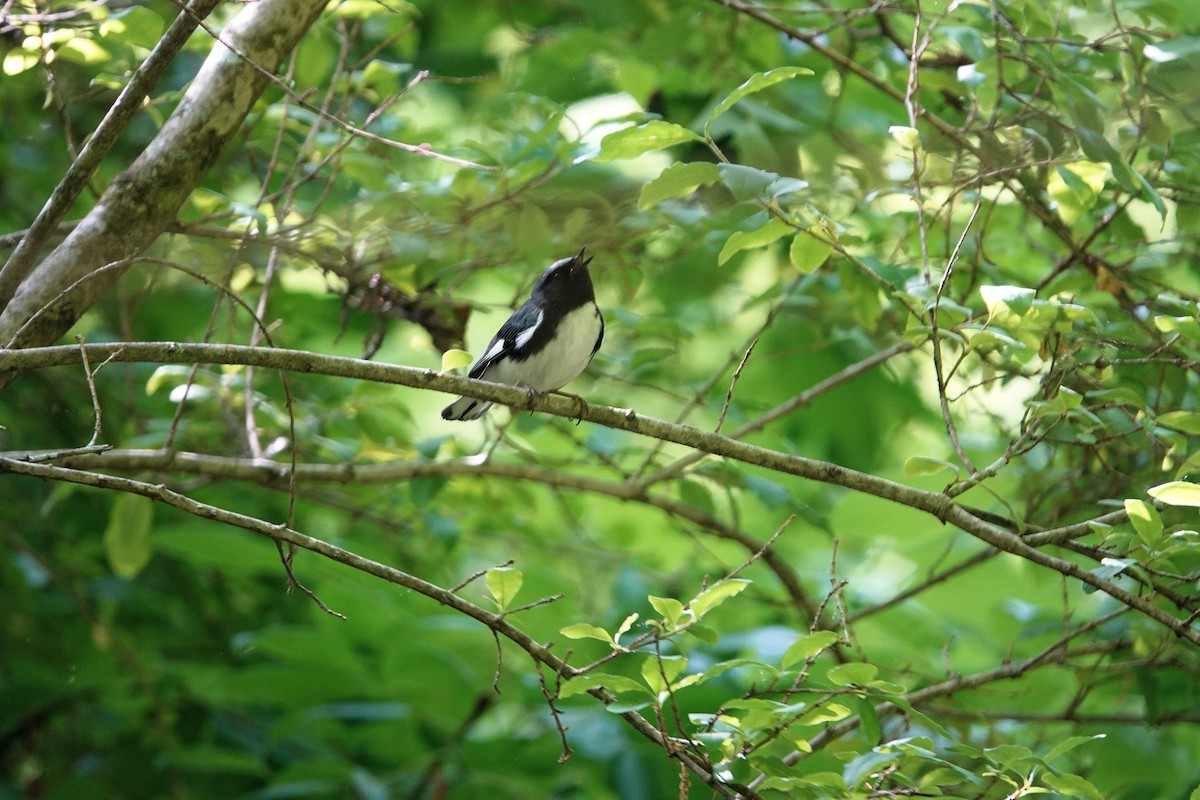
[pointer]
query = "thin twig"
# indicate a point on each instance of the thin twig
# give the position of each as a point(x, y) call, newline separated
point(474, 576)
point(555, 714)
point(91, 382)
point(737, 373)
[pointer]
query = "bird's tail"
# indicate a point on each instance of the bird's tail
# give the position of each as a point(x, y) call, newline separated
point(466, 408)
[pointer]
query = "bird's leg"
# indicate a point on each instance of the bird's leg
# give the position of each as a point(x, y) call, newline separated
point(530, 393)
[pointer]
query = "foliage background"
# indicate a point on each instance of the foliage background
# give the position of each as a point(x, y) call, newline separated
point(954, 249)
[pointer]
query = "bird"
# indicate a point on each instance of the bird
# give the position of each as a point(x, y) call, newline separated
point(547, 342)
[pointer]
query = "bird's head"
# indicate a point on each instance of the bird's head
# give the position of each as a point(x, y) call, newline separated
point(566, 282)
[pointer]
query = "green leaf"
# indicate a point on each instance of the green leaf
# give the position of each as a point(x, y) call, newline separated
point(886, 687)
point(585, 630)
point(163, 374)
point(869, 719)
point(1177, 493)
point(1072, 786)
point(808, 251)
point(856, 673)
point(716, 594)
point(926, 465)
point(452, 359)
point(678, 180)
point(1151, 196)
point(704, 634)
point(624, 627)
point(127, 540)
point(807, 647)
point(868, 763)
point(1146, 521)
point(745, 183)
point(136, 25)
point(503, 583)
point(756, 83)
point(830, 712)
point(594, 680)
point(1070, 744)
point(1012, 756)
point(1017, 299)
point(1109, 568)
point(906, 137)
point(1186, 421)
point(633, 142)
point(1076, 187)
point(1187, 327)
point(655, 667)
point(1097, 148)
point(669, 608)
point(759, 237)
point(20, 59)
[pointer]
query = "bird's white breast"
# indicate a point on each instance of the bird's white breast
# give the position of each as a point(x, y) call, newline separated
point(560, 361)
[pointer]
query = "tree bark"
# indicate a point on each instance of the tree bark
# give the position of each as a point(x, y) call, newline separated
point(146, 197)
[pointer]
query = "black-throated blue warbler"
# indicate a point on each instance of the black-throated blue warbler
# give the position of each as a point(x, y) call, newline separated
point(547, 342)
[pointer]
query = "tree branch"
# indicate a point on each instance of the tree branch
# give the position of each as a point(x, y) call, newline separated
point(937, 504)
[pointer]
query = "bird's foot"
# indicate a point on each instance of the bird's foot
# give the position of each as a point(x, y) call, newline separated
point(530, 393)
point(581, 405)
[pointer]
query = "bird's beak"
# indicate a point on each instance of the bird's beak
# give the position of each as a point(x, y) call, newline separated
point(580, 257)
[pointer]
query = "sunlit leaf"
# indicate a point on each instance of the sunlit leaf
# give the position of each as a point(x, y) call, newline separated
point(908, 138)
point(503, 583)
point(585, 630)
point(806, 647)
point(1017, 299)
point(654, 668)
point(1188, 326)
point(633, 142)
point(1177, 493)
point(670, 609)
point(1146, 521)
point(453, 359)
point(594, 680)
point(808, 251)
point(717, 594)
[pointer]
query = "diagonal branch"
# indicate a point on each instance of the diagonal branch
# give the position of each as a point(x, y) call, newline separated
point(937, 504)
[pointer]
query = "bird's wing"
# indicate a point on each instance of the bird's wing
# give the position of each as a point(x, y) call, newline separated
point(600, 338)
point(512, 336)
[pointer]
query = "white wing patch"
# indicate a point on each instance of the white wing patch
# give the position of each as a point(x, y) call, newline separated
point(499, 347)
point(524, 336)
